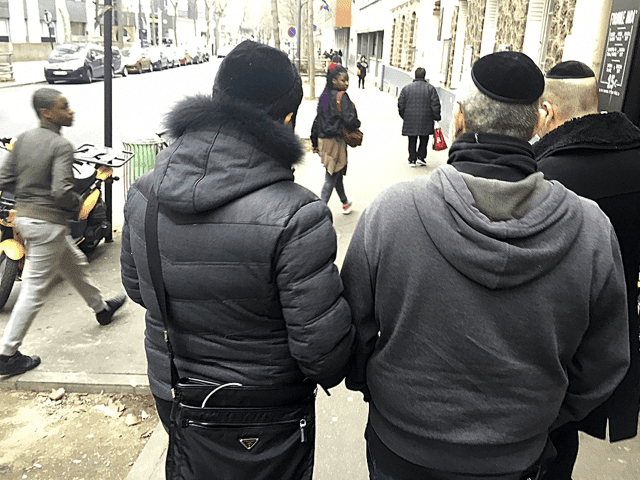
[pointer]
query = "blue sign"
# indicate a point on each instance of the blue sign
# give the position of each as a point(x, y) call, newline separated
point(292, 32)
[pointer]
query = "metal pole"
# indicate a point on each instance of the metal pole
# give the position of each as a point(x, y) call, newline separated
point(299, 33)
point(312, 55)
point(108, 118)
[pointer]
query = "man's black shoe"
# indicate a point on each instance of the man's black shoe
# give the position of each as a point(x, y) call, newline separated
point(17, 363)
point(105, 317)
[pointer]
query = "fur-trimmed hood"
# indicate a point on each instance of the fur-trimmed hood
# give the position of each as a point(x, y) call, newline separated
point(596, 131)
point(223, 150)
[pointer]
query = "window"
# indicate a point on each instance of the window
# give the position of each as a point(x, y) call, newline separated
point(393, 44)
point(4, 30)
point(77, 28)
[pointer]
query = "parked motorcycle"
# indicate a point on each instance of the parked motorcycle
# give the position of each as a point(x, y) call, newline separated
point(92, 167)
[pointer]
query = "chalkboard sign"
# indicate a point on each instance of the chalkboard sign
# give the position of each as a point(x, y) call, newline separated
point(618, 54)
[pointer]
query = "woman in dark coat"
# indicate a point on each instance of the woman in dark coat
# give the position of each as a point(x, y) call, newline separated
point(362, 67)
point(327, 138)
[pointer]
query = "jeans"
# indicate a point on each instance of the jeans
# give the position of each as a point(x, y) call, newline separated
point(51, 251)
point(331, 182)
point(422, 149)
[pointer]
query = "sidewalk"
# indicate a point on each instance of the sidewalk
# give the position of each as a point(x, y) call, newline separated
point(26, 73)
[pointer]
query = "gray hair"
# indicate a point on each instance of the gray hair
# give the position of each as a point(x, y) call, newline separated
point(44, 98)
point(486, 115)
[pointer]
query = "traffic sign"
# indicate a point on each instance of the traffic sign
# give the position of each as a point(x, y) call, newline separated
point(292, 32)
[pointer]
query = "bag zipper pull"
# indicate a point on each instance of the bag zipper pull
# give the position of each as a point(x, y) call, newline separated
point(303, 424)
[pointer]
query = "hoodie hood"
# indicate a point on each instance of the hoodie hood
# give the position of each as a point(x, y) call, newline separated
point(224, 149)
point(505, 253)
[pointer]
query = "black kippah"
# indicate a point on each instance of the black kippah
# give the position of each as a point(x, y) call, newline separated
point(510, 77)
point(570, 69)
point(256, 73)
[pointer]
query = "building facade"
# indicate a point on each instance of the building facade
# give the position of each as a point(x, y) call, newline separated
point(446, 36)
point(30, 28)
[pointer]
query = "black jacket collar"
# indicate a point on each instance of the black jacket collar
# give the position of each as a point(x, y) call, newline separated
point(494, 156)
point(596, 131)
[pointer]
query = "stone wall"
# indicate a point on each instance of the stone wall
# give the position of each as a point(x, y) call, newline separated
point(26, 52)
point(454, 34)
point(475, 24)
point(561, 25)
point(404, 34)
point(512, 22)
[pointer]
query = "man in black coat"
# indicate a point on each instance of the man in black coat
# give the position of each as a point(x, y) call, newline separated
point(598, 157)
point(419, 106)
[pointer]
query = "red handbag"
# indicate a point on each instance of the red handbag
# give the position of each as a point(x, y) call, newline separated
point(438, 139)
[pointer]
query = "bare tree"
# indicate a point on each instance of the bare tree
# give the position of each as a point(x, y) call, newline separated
point(219, 6)
point(208, 4)
point(175, 20)
point(275, 20)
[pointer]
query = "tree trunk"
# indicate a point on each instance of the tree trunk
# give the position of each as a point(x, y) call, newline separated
point(207, 14)
point(274, 18)
point(175, 22)
point(118, 8)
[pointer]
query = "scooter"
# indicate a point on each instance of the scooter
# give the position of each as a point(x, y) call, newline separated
point(92, 167)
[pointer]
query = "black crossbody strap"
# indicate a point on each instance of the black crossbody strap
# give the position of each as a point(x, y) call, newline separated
point(155, 270)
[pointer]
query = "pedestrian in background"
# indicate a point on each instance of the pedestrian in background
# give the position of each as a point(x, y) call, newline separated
point(327, 138)
point(39, 171)
point(362, 71)
point(489, 303)
point(247, 254)
point(419, 107)
point(597, 155)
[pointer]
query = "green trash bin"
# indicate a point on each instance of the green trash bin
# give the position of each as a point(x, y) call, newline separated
point(144, 159)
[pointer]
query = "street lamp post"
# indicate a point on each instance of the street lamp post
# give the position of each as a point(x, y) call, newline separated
point(108, 119)
point(299, 30)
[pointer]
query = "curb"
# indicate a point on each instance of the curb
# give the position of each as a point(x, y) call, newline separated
point(19, 84)
point(79, 382)
point(150, 463)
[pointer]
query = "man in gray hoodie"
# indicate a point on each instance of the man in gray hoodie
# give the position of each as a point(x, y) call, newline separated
point(489, 303)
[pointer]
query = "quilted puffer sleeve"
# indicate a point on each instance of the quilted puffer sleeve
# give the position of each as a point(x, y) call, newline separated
point(128, 270)
point(318, 318)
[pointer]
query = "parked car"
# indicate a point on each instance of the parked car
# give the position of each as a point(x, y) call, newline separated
point(202, 53)
point(187, 57)
point(75, 62)
point(137, 60)
point(158, 57)
point(117, 62)
point(174, 55)
point(224, 50)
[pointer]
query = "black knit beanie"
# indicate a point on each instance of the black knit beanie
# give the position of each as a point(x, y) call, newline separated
point(256, 73)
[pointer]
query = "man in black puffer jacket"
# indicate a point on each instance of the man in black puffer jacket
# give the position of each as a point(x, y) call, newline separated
point(247, 254)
